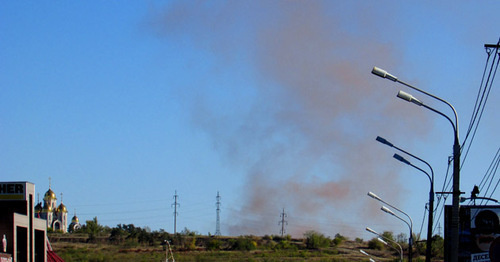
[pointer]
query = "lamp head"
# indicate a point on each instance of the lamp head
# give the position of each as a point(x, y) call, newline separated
point(384, 141)
point(382, 73)
point(405, 96)
point(371, 230)
point(363, 252)
point(402, 159)
point(387, 210)
point(382, 241)
point(372, 195)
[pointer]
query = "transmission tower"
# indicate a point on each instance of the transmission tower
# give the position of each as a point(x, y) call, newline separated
point(175, 205)
point(283, 222)
point(217, 223)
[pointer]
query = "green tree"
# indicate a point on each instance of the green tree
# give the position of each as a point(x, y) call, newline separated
point(93, 229)
point(388, 235)
point(437, 248)
point(375, 244)
point(402, 238)
point(315, 240)
point(338, 239)
point(117, 235)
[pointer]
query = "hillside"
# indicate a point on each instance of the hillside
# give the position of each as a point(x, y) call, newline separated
point(206, 248)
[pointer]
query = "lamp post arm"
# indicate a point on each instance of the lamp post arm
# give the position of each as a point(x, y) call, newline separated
point(399, 210)
point(435, 97)
point(421, 160)
point(423, 171)
point(406, 222)
point(391, 246)
point(455, 130)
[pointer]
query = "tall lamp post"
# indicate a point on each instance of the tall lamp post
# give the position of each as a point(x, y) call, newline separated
point(410, 225)
point(456, 157)
point(431, 192)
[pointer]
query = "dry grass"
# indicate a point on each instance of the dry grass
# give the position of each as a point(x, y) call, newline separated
point(346, 251)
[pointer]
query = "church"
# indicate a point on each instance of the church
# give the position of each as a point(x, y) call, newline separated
point(56, 216)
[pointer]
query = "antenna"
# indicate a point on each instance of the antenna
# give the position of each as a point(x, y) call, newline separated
point(217, 223)
point(283, 222)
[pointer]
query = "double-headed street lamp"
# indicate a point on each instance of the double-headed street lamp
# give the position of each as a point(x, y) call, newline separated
point(410, 225)
point(400, 251)
point(431, 191)
point(456, 156)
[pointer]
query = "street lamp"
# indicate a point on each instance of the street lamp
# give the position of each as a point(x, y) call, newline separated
point(400, 251)
point(410, 225)
point(431, 191)
point(456, 157)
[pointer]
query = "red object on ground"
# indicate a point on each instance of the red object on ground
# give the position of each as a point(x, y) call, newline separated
point(51, 255)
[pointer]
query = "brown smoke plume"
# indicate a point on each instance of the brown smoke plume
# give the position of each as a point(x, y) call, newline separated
point(308, 138)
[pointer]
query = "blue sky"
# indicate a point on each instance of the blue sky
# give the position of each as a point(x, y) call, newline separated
point(270, 103)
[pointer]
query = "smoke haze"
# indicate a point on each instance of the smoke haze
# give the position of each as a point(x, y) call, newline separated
point(303, 126)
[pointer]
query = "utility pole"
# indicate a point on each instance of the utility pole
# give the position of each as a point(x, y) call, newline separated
point(175, 205)
point(283, 222)
point(217, 223)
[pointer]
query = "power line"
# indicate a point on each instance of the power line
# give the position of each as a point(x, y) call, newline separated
point(492, 172)
point(483, 94)
point(488, 173)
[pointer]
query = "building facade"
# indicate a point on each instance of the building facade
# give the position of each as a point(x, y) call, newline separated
point(25, 234)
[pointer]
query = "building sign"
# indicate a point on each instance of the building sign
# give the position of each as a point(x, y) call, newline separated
point(12, 191)
point(479, 233)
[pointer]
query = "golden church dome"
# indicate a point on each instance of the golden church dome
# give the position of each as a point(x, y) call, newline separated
point(75, 220)
point(62, 208)
point(49, 195)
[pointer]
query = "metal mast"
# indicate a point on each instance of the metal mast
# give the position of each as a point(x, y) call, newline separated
point(283, 222)
point(217, 223)
point(175, 204)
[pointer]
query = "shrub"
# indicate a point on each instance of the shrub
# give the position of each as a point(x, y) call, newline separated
point(338, 239)
point(284, 244)
point(244, 243)
point(214, 244)
point(315, 240)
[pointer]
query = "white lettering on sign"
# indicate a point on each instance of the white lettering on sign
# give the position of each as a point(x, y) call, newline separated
point(480, 257)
